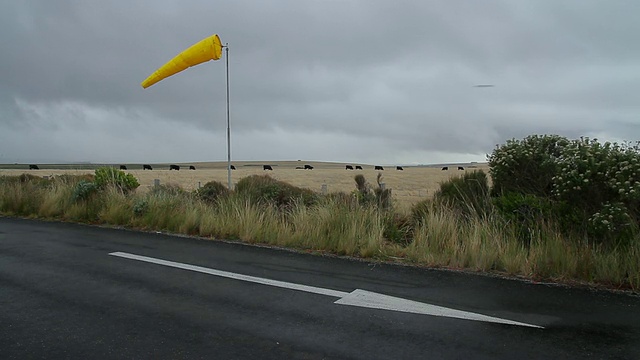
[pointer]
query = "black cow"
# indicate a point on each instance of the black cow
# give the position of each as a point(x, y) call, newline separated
point(267, 167)
point(191, 167)
point(378, 167)
point(233, 167)
point(460, 168)
point(445, 168)
point(348, 167)
point(174, 167)
point(399, 168)
point(358, 167)
point(34, 167)
point(122, 167)
point(308, 167)
point(147, 167)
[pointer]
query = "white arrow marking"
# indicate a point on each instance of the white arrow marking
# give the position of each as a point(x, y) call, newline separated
point(230, 275)
point(361, 298)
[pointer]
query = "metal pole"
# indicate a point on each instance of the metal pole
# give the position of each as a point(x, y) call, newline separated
point(228, 123)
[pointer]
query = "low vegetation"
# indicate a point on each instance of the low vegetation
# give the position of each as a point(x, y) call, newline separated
point(557, 210)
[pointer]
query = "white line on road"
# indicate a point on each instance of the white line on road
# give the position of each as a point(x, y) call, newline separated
point(360, 298)
point(230, 275)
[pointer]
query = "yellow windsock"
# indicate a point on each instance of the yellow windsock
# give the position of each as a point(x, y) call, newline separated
point(207, 49)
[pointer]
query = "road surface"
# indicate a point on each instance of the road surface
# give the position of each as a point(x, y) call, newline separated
point(76, 291)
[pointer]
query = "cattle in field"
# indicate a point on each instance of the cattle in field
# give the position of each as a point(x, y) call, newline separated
point(34, 167)
point(460, 168)
point(191, 167)
point(174, 167)
point(123, 167)
point(233, 167)
point(358, 167)
point(267, 167)
point(378, 168)
point(348, 167)
point(445, 168)
point(308, 167)
point(399, 168)
point(146, 167)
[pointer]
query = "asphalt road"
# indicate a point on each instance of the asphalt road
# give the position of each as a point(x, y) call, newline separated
point(62, 296)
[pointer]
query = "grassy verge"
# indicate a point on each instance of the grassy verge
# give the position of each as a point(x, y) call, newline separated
point(439, 236)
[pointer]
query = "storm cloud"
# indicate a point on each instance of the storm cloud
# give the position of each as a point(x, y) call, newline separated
point(352, 81)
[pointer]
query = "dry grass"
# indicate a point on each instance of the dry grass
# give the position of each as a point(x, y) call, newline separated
point(408, 186)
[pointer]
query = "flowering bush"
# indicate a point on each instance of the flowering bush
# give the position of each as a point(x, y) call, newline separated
point(526, 166)
point(604, 181)
point(612, 222)
point(591, 174)
point(596, 187)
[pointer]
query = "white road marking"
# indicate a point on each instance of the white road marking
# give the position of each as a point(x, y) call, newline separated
point(373, 300)
point(361, 298)
point(230, 275)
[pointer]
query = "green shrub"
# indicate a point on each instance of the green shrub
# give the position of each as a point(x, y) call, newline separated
point(601, 183)
point(266, 190)
point(523, 207)
point(593, 189)
point(140, 206)
point(83, 190)
point(468, 194)
point(592, 174)
point(612, 224)
point(212, 191)
point(108, 176)
point(525, 212)
point(526, 166)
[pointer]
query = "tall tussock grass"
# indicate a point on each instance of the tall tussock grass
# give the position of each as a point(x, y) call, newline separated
point(460, 228)
point(339, 227)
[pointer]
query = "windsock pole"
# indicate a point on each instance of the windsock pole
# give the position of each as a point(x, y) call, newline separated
point(226, 46)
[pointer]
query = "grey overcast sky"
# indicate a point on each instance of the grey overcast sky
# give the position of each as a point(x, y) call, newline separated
point(385, 82)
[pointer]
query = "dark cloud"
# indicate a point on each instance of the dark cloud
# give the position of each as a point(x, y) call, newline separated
point(328, 80)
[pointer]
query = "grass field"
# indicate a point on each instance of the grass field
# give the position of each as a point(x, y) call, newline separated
point(409, 186)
